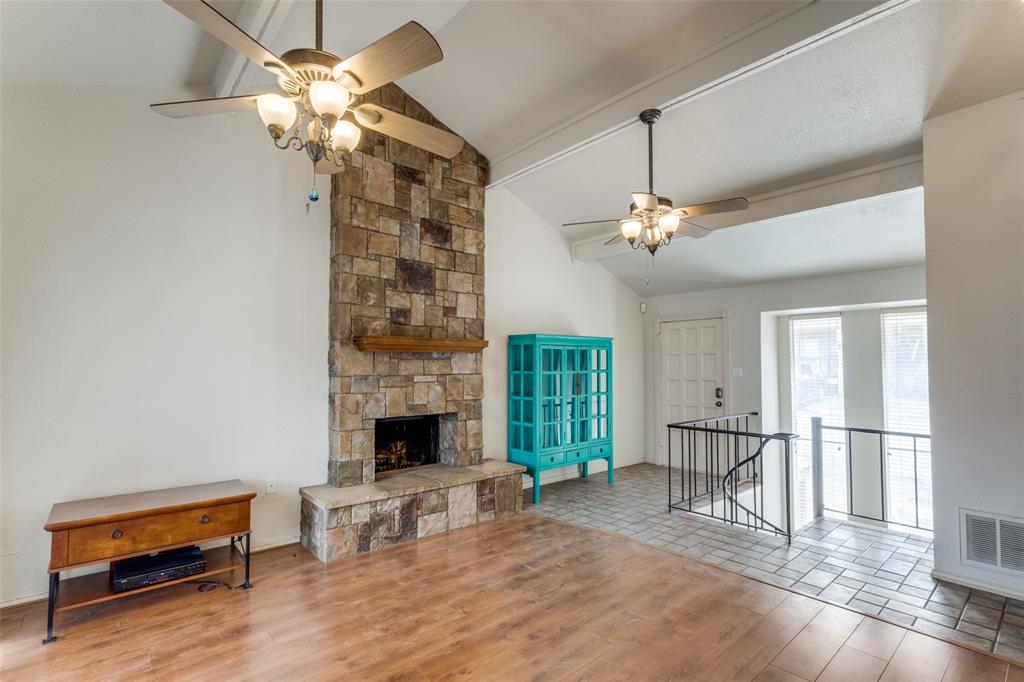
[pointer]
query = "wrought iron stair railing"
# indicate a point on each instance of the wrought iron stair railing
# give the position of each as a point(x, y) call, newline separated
point(730, 473)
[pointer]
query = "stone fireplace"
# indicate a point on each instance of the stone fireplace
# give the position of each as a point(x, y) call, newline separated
point(407, 260)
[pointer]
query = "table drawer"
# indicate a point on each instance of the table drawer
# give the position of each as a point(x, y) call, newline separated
point(577, 455)
point(105, 540)
point(551, 459)
point(597, 451)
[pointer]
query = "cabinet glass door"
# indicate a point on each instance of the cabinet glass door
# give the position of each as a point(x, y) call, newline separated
point(599, 394)
point(552, 396)
point(521, 397)
point(578, 399)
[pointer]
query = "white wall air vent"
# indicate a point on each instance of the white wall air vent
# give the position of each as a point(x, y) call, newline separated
point(1011, 545)
point(992, 540)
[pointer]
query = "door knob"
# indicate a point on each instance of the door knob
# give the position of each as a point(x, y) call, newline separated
point(718, 403)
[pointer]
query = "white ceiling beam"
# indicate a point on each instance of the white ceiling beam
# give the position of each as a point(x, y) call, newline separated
point(882, 179)
point(778, 37)
point(261, 19)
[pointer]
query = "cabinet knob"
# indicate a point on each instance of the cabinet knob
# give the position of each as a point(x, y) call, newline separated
point(117, 533)
point(204, 519)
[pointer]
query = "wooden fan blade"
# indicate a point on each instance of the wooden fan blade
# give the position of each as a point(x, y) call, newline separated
point(723, 206)
point(201, 107)
point(399, 53)
point(409, 130)
point(591, 222)
point(224, 30)
point(614, 240)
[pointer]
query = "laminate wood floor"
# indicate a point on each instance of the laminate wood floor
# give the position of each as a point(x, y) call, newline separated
point(520, 598)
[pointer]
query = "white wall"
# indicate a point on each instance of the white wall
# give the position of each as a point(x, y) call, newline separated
point(164, 311)
point(974, 233)
point(747, 307)
point(534, 287)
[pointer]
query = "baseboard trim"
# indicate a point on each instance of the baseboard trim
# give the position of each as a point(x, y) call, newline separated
point(42, 596)
point(977, 584)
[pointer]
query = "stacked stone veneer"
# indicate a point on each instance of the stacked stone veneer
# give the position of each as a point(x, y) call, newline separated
point(407, 259)
point(402, 506)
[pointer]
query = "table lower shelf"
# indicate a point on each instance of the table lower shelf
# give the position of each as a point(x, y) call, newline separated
point(95, 588)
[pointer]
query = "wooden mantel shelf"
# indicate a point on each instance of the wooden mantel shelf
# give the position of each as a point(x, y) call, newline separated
point(415, 344)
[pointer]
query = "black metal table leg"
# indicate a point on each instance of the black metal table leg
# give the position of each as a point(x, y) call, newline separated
point(51, 603)
point(246, 585)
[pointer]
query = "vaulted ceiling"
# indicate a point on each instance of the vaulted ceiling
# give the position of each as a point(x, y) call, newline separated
point(818, 103)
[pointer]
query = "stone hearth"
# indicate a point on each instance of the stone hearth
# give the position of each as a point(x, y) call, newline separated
point(406, 505)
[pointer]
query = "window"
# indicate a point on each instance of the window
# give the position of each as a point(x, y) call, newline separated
point(908, 468)
point(816, 380)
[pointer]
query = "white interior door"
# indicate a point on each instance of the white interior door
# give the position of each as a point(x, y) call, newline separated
point(692, 381)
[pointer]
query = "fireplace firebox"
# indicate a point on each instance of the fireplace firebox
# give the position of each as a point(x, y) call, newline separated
point(404, 442)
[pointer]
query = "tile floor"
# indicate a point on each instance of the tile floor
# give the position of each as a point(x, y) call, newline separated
point(878, 572)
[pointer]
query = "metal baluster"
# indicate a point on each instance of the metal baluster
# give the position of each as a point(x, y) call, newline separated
point(849, 472)
point(761, 476)
point(707, 464)
point(881, 470)
point(670, 469)
point(789, 506)
point(682, 471)
point(709, 476)
point(917, 506)
point(754, 496)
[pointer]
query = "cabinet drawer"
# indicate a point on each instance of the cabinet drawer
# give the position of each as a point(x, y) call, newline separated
point(577, 455)
point(597, 451)
point(105, 540)
point(551, 459)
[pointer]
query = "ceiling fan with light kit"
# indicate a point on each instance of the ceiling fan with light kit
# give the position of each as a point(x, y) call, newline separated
point(652, 220)
point(315, 113)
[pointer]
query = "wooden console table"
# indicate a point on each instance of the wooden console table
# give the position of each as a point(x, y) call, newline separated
point(105, 529)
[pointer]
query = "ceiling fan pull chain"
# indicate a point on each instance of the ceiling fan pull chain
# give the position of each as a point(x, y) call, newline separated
point(314, 194)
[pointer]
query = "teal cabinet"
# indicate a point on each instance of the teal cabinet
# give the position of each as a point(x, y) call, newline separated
point(559, 402)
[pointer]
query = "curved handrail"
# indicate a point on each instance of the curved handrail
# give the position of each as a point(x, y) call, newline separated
point(728, 485)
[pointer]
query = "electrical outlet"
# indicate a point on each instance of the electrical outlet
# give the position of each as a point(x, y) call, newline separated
point(737, 372)
point(271, 486)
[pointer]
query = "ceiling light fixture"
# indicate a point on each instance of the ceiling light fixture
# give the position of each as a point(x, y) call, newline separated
point(653, 221)
point(316, 113)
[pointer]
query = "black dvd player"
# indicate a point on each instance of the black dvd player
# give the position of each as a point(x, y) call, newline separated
point(131, 574)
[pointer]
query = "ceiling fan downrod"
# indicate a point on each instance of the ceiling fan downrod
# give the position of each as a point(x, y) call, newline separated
point(320, 25)
point(649, 118)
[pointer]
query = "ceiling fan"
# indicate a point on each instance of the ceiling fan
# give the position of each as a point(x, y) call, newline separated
point(318, 90)
point(652, 220)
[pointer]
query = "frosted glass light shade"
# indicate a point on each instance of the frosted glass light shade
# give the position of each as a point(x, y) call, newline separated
point(669, 224)
point(631, 229)
point(276, 111)
point(345, 135)
point(328, 98)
